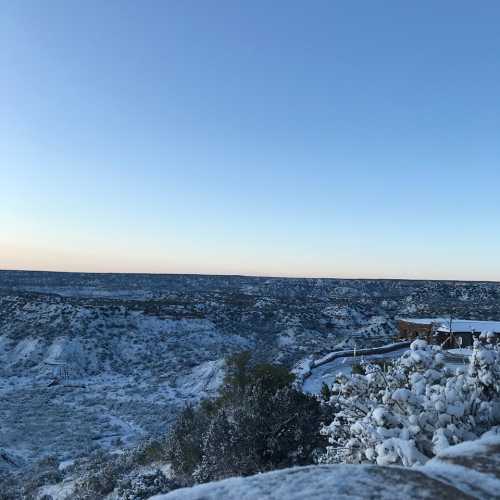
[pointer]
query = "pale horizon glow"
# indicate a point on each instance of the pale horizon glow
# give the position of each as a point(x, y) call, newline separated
point(246, 138)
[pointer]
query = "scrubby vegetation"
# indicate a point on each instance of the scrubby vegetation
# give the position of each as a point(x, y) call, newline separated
point(406, 412)
point(259, 422)
point(132, 475)
point(137, 348)
point(401, 412)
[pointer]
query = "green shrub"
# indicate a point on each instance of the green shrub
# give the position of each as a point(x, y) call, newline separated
point(143, 485)
point(150, 451)
point(185, 441)
point(259, 422)
point(358, 369)
point(326, 392)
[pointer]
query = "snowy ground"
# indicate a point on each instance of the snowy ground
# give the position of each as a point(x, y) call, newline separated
point(326, 373)
point(461, 472)
point(85, 389)
point(128, 351)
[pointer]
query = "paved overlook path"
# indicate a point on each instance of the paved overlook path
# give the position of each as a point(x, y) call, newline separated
point(324, 370)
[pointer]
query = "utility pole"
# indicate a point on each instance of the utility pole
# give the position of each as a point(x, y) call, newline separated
point(452, 343)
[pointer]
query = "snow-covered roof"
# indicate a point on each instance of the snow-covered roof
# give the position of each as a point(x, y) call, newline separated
point(457, 325)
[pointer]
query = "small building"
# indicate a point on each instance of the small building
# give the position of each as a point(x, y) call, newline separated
point(448, 332)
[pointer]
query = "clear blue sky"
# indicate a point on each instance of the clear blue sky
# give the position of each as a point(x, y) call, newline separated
point(323, 138)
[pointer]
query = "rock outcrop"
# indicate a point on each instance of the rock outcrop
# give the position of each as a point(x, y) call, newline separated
point(465, 471)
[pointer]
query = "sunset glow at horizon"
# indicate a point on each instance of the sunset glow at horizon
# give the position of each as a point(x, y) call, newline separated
point(288, 139)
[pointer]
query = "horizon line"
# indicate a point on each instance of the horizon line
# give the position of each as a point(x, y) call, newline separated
point(223, 275)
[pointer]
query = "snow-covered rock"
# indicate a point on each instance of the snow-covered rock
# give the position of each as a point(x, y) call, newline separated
point(469, 470)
